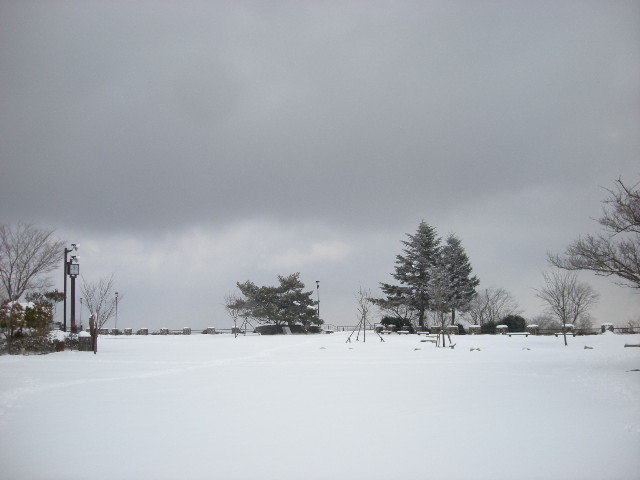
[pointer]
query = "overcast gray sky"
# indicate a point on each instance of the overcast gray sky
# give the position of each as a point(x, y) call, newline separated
point(189, 145)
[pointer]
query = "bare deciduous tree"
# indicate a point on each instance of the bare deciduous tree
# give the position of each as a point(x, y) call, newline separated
point(546, 321)
point(633, 324)
point(364, 307)
point(439, 291)
point(617, 252)
point(27, 255)
point(232, 306)
point(492, 305)
point(567, 299)
point(100, 299)
point(363, 298)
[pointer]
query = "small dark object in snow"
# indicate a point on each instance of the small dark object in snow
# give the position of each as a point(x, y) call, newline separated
point(634, 370)
point(323, 348)
point(587, 347)
point(416, 349)
point(452, 346)
point(474, 349)
point(526, 348)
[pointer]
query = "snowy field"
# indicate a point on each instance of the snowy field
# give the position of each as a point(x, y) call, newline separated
point(315, 407)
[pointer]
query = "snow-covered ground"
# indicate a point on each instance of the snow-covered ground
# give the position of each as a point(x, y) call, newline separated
point(315, 407)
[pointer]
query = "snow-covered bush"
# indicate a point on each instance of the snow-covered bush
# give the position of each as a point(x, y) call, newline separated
point(32, 341)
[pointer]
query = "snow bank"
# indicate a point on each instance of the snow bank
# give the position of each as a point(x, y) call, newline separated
point(315, 407)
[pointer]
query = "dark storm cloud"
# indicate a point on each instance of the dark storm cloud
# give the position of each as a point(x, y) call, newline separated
point(148, 115)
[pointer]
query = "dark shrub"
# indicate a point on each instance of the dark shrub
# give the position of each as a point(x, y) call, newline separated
point(297, 329)
point(488, 328)
point(391, 322)
point(515, 323)
point(269, 329)
point(34, 342)
point(398, 323)
point(71, 342)
point(278, 330)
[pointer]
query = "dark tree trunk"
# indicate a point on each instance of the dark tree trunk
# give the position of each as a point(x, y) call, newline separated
point(421, 317)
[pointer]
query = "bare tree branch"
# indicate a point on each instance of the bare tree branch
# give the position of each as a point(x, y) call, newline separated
point(617, 253)
point(623, 214)
point(27, 254)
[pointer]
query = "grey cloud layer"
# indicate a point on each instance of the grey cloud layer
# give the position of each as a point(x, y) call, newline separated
point(155, 115)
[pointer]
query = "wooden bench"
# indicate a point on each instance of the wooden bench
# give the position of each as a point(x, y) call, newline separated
point(526, 334)
point(433, 338)
point(403, 332)
point(568, 333)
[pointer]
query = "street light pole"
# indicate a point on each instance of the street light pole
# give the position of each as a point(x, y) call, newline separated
point(74, 271)
point(318, 292)
point(116, 310)
point(73, 304)
point(65, 272)
point(64, 304)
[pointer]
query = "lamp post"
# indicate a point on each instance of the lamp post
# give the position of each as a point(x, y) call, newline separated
point(116, 310)
point(65, 272)
point(74, 271)
point(80, 313)
point(318, 292)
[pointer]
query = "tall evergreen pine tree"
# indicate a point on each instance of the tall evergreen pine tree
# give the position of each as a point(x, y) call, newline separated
point(431, 277)
point(285, 304)
point(413, 270)
point(462, 286)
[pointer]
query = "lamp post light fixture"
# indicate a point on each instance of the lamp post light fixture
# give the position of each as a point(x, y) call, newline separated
point(116, 310)
point(65, 272)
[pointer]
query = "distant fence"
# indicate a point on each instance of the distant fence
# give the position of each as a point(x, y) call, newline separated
point(588, 331)
point(348, 328)
point(336, 328)
point(541, 331)
point(169, 331)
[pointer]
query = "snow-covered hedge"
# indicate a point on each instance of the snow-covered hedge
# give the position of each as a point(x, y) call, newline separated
point(37, 342)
